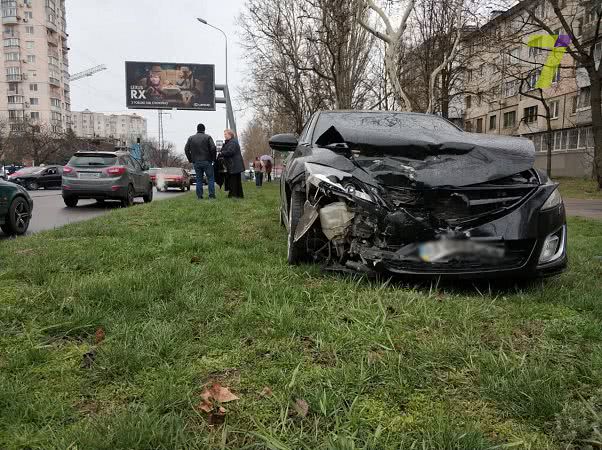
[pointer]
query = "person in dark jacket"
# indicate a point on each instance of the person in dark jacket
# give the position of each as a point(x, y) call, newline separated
point(234, 163)
point(201, 152)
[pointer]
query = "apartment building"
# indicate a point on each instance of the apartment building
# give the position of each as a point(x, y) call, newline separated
point(500, 86)
point(35, 64)
point(123, 127)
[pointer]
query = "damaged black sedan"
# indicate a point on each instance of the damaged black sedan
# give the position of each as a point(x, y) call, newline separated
point(407, 193)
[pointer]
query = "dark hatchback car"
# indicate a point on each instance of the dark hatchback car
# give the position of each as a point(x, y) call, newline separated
point(33, 178)
point(16, 207)
point(408, 193)
point(105, 176)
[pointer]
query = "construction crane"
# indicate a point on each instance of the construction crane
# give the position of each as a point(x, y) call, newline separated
point(87, 73)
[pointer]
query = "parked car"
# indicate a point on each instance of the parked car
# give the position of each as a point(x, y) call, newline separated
point(16, 207)
point(152, 172)
point(170, 177)
point(409, 193)
point(192, 174)
point(105, 176)
point(34, 178)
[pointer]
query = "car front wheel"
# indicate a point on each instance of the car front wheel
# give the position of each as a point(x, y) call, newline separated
point(18, 218)
point(148, 197)
point(128, 200)
point(297, 251)
point(32, 186)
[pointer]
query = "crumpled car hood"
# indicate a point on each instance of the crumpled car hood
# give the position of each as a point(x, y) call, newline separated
point(423, 157)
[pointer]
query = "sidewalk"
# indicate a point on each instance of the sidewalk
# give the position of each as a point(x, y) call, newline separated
point(591, 209)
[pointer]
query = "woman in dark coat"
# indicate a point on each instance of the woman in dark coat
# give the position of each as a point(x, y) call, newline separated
point(234, 163)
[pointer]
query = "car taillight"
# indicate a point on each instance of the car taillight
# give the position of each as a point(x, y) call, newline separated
point(115, 171)
point(67, 170)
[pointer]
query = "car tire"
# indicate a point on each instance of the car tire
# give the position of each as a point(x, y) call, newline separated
point(188, 188)
point(296, 251)
point(148, 197)
point(183, 188)
point(128, 200)
point(18, 217)
point(70, 202)
point(32, 186)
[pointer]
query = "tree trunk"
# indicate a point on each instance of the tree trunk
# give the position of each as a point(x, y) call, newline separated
point(549, 144)
point(392, 52)
point(596, 102)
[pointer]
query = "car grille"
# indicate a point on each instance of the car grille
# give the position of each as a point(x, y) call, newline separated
point(457, 205)
point(516, 254)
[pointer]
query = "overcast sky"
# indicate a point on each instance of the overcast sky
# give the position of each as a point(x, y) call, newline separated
point(111, 32)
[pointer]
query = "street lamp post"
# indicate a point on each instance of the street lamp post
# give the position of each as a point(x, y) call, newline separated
point(203, 21)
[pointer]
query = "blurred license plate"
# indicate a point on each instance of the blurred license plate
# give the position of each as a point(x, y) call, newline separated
point(89, 175)
point(446, 248)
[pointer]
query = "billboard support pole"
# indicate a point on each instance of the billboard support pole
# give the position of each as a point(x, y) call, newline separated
point(230, 121)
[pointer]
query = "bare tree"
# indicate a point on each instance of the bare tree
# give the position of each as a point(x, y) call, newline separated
point(392, 37)
point(156, 156)
point(583, 50)
point(254, 140)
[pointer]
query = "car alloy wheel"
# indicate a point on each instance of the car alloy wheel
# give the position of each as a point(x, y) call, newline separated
point(129, 198)
point(32, 186)
point(19, 216)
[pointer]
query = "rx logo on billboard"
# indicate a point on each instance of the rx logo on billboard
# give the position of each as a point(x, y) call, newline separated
point(558, 44)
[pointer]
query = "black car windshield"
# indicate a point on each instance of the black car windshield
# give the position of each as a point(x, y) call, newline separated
point(93, 160)
point(355, 125)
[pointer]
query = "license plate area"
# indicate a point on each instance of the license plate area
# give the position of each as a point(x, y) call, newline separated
point(89, 175)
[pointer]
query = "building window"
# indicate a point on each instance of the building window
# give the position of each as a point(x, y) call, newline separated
point(554, 109)
point(11, 42)
point(509, 119)
point(15, 99)
point(28, 15)
point(56, 102)
point(515, 55)
point(468, 126)
point(13, 56)
point(536, 51)
point(530, 114)
point(34, 101)
point(29, 29)
point(492, 122)
point(479, 125)
point(598, 52)
point(556, 78)
point(469, 75)
point(31, 58)
point(532, 79)
point(510, 88)
point(584, 101)
point(468, 101)
point(29, 45)
point(34, 115)
point(33, 87)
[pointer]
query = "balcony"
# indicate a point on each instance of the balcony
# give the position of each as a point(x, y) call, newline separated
point(9, 16)
point(54, 81)
point(53, 40)
point(16, 77)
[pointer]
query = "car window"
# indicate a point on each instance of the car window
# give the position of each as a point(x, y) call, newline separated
point(51, 171)
point(93, 160)
point(303, 135)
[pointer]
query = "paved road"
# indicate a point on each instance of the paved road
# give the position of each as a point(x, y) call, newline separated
point(584, 208)
point(50, 211)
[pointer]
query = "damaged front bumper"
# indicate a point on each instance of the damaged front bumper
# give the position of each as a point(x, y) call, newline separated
point(497, 229)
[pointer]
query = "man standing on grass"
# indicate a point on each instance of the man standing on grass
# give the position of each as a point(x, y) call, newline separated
point(200, 151)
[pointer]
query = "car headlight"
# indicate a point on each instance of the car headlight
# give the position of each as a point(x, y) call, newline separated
point(553, 200)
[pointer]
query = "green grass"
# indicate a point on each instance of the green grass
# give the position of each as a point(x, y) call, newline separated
point(579, 188)
point(191, 293)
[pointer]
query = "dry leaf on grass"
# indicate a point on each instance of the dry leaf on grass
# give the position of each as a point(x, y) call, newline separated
point(99, 336)
point(301, 407)
point(218, 393)
point(266, 392)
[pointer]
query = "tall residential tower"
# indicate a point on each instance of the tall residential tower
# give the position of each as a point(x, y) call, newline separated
point(34, 67)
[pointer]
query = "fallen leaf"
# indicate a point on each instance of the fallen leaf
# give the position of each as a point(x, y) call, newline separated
point(195, 260)
point(99, 336)
point(206, 406)
point(266, 392)
point(218, 417)
point(218, 393)
point(301, 408)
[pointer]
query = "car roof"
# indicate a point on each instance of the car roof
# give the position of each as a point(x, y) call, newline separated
point(100, 153)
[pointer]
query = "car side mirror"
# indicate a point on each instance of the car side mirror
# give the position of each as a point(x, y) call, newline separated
point(284, 142)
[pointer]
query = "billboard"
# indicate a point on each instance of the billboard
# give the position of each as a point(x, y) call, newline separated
point(153, 85)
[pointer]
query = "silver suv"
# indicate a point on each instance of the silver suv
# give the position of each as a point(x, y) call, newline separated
point(105, 176)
